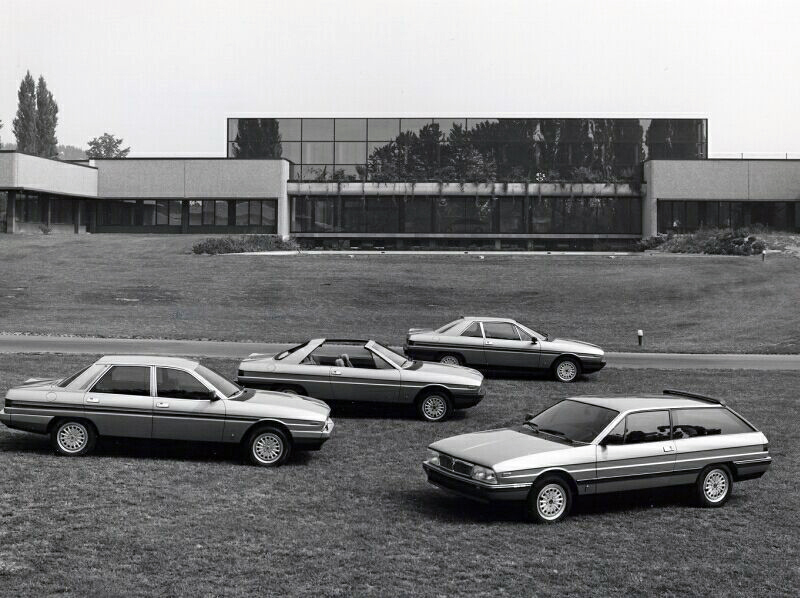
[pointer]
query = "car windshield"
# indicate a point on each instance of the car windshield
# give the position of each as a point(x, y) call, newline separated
point(66, 381)
point(218, 381)
point(285, 353)
point(395, 358)
point(572, 420)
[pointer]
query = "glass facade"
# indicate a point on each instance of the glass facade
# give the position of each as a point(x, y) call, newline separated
point(466, 215)
point(470, 150)
point(688, 216)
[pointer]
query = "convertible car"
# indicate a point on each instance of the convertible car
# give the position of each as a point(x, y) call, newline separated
point(594, 445)
point(357, 370)
point(169, 398)
point(503, 344)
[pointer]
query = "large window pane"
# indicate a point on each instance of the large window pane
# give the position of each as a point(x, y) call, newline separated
point(315, 152)
point(208, 212)
point(233, 128)
point(349, 172)
point(162, 212)
point(269, 214)
point(195, 212)
point(418, 214)
point(149, 212)
point(512, 214)
point(383, 214)
point(255, 212)
point(317, 129)
point(61, 211)
point(291, 151)
point(413, 125)
point(289, 128)
point(383, 129)
point(350, 152)
point(317, 172)
point(450, 213)
point(446, 124)
point(351, 129)
point(478, 215)
point(542, 218)
point(353, 214)
point(175, 212)
point(242, 212)
point(221, 213)
point(324, 214)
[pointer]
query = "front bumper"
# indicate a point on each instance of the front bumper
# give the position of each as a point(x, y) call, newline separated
point(590, 365)
point(473, 489)
point(464, 400)
point(5, 417)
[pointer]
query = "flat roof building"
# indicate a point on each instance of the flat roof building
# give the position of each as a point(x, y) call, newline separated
point(523, 183)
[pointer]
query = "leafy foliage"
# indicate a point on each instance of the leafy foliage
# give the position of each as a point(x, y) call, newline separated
point(25, 121)
point(107, 146)
point(711, 241)
point(46, 121)
point(244, 244)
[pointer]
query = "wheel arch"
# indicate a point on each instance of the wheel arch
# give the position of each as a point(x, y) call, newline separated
point(457, 353)
point(60, 418)
point(267, 423)
point(426, 390)
point(561, 356)
point(562, 474)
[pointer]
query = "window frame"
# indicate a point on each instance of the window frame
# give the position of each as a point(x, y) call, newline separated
point(513, 327)
point(203, 383)
point(92, 386)
point(480, 328)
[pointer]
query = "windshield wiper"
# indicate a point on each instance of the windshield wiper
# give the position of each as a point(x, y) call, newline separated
point(532, 426)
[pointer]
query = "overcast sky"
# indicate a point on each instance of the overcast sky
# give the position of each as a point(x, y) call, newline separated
point(165, 75)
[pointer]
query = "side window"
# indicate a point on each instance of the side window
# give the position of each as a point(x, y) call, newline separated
point(473, 329)
point(177, 384)
point(125, 380)
point(500, 330)
point(647, 426)
point(617, 435)
point(707, 422)
point(522, 334)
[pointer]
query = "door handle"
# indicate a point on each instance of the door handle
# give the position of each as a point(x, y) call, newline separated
point(92, 400)
point(336, 372)
point(488, 343)
point(162, 405)
point(669, 448)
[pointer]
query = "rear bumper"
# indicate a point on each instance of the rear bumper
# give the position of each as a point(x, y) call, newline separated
point(473, 490)
point(752, 469)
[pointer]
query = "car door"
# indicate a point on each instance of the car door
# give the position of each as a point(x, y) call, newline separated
point(504, 348)
point(184, 409)
point(469, 344)
point(120, 403)
point(379, 384)
point(638, 453)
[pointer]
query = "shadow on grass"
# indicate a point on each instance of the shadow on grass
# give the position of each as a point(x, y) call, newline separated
point(443, 507)
point(352, 410)
point(131, 448)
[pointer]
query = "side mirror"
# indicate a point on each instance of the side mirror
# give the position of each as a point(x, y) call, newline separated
point(212, 396)
point(533, 340)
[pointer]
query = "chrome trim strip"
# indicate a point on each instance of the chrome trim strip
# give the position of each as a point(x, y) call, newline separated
point(751, 461)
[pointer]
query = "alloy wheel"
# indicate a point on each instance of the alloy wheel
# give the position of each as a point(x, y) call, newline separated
point(566, 371)
point(434, 407)
point(551, 502)
point(715, 486)
point(450, 360)
point(72, 437)
point(267, 448)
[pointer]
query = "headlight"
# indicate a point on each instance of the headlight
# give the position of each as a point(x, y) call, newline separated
point(433, 457)
point(482, 474)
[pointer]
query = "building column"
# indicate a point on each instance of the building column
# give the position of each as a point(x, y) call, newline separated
point(11, 213)
point(649, 204)
point(284, 214)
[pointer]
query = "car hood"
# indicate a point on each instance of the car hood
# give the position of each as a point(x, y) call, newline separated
point(491, 447)
point(270, 403)
point(573, 346)
point(467, 375)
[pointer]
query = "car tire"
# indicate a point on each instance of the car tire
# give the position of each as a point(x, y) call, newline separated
point(714, 486)
point(451, 359)
point(268, 447)
point(73, 437)
point(566, 369)
point(549, 500)
point(292, 390)
point(434, 406)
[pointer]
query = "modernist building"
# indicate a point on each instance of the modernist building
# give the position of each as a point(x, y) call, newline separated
point(396, 182)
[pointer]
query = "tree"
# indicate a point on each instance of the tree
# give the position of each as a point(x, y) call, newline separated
point(46, 121)
point(25, 121)
point(258, 138)
point(106, 146)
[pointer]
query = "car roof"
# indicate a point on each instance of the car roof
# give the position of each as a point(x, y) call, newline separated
point(645, 401)
point(487, 319)
point(148, 360)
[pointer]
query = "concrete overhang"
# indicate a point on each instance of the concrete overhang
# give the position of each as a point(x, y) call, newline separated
point(30, 173)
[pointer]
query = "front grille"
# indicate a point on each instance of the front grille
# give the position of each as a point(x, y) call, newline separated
point(455, 465)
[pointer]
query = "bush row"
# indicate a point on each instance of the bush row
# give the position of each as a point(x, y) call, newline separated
point(244, 244)
point(711, 241)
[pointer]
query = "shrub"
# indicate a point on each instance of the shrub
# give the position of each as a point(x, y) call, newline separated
point(652, 242)
point(713, 241)
point(244, 244)
point(46, 230)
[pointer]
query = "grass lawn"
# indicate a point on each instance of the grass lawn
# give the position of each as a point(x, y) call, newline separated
point(152, 286)
point(358, 518)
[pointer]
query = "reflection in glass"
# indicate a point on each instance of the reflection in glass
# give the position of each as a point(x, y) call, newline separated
point(383, 129)
point(318, 129)
point(195, 212)
point(413, 125)
point(350, 152)
point(316, 152)
point(233, 128)
point(149, 212)
point(221, 213)
point(289, 129)
point(418, 216)
point(208, 212)
point(382, 214)
point(512, 214)
point(291, 151)
point(351, 129)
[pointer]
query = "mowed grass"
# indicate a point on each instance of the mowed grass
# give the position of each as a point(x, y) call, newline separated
point(153, 286)
point(358, 518)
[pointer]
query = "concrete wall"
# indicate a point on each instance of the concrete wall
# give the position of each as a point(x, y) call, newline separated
point(717, 180)
point(20, 171)
point(191, 178)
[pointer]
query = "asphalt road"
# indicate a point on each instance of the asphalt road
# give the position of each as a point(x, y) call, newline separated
point(12, 343)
